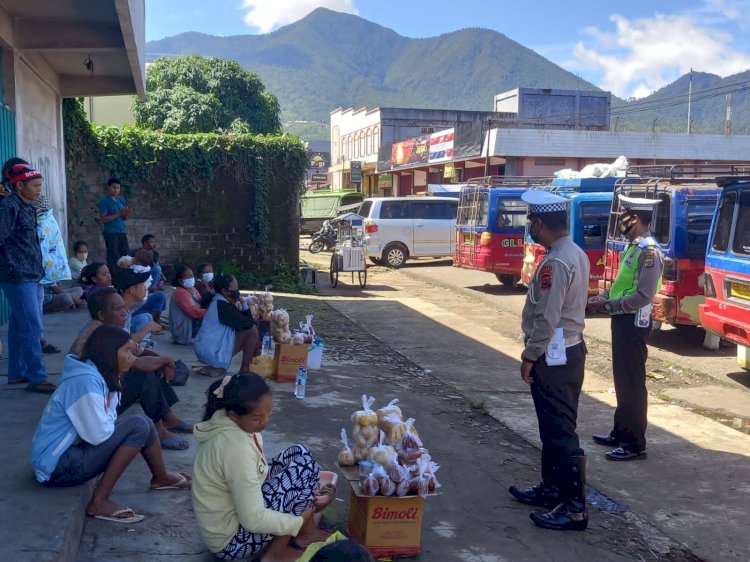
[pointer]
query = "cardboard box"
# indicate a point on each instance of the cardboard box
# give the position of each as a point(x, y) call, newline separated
point(287, 358)
point(386, 526)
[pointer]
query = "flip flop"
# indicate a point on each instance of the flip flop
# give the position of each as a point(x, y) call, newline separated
point(179, 485)
point(41, 387)
point(119, 516)
point(182, 428)
point(175, 444)
point(22, 380)
point(323, 498)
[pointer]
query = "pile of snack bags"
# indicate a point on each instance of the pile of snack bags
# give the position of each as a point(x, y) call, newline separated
point(391, 456)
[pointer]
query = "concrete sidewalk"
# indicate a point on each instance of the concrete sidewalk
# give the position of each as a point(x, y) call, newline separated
point(448, 375)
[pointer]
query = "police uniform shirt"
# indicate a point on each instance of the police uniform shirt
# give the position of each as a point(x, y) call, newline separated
point(556, 298)
point(648, 272)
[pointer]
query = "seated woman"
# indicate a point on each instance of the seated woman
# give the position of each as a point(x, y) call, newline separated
point(242, 502)
point(185, 312)
point(204, 283)
point(156, 302)
point(226, 330)
point(78, 260)
point(95, 276)
point(79, 436)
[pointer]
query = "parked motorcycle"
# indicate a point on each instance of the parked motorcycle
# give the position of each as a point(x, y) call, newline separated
point(324, 238)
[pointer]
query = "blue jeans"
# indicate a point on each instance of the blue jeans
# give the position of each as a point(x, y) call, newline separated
point(25, 331)
point(155, 275)
point(155, 302)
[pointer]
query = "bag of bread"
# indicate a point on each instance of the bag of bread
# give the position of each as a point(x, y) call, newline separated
point(346, 456)
point(432, 482)
point(396, 472)
point(391, 411)
point(381, 453)
point(387, 486)
point(394, 427)
point(370, 485)
point(411, 439)
point(419, 484)
point(365, 416)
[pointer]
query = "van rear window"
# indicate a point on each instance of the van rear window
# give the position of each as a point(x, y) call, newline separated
point(364, 210)
point(742, 227)
point(511, 213)
point(699, 217)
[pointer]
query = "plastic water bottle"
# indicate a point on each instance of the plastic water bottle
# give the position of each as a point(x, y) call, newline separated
point(266, 345)
point(299, 388)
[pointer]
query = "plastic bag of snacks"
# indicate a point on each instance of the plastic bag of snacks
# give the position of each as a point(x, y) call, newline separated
point(369, 484)
point(420, 484)
point(365, 431)
point(410, 439)
point(381, 453)
point(390, 411)
point(306, 329)
point(280, 331)
point(346, 456)
point(387, 486)
point(432, 482)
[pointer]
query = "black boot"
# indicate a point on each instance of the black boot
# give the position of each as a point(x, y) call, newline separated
point(542, 495)
point(571, 514)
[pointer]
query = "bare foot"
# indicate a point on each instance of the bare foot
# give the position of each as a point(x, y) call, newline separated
point(305, 538)
point(102, 507)
point(288, 554)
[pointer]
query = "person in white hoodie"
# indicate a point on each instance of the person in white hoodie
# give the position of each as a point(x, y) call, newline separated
point(242, 502)
point(79, 436)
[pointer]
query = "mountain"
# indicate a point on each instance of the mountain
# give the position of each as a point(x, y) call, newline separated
point(330, 59)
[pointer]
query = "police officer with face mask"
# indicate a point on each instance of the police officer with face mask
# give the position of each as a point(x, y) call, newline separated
point(628, 301)
point(552, 363)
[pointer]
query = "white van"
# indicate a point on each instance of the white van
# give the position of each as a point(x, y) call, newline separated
point(399, 228)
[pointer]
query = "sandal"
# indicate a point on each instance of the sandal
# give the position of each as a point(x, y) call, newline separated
point(184, 483)
point(41, 387)
point(124, 515)
point(325, 495)
point(181, 428)
point(22, 380)
point(49, 348)
point(175, 444)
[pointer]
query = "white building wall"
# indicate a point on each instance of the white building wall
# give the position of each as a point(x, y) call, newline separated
point(39, 138)
point(605, 145)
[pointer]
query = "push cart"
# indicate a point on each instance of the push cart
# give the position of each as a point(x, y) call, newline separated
point(349, 255)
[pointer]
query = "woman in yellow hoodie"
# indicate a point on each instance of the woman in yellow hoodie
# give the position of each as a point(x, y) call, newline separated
point(242, 502)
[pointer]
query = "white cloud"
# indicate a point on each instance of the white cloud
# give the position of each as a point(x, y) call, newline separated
point(267, 15)
point(642, 55)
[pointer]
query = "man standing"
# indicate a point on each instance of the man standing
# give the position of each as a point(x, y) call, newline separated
point(113, 212)
point(553, 361)
point(628, 301)
point(20, 272)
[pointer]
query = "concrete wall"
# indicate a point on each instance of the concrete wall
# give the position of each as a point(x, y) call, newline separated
point(189, 231)
point(113, 111)
point(39, 133)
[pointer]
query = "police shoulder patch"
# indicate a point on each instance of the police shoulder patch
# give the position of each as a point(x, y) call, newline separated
point(649, 257)
point(545, 278)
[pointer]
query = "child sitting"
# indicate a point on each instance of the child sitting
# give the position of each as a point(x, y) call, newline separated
point(242, 502)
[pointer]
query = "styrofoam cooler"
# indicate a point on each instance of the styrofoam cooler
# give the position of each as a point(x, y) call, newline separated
point(315, 356)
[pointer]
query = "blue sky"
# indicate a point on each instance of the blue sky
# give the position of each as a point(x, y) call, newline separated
point(631, 48)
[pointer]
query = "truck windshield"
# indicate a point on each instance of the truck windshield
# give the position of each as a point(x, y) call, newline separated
point(699, 216)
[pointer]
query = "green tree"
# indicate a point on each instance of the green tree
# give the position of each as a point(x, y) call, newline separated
point(195, 94)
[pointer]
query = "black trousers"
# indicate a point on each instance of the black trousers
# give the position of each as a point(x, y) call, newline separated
point(150, 390)
point(117, 246)
point(556, 391)
point(629, 354)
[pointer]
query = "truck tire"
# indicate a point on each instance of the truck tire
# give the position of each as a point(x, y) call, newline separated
point(509, 281)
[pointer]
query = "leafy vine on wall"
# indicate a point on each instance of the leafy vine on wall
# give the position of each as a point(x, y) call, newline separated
point(177, 166)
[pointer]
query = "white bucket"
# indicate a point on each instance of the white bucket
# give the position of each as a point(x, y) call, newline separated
point(315, 356)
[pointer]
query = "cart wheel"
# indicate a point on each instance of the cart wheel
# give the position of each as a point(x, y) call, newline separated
point(363, 278)
point(334, 272)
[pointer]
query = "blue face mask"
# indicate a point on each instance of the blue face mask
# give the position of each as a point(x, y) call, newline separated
point(208, 277)
point(189, 282)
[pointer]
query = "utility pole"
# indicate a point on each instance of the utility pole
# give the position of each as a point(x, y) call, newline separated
point(690, 99)
point(728, 123)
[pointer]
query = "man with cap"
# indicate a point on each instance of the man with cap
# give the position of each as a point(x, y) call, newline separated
point(552, 363)
point(133, 288)
point(20, 272)
point(628, 301)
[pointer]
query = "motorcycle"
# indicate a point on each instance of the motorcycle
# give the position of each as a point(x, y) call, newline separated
point(324, 238)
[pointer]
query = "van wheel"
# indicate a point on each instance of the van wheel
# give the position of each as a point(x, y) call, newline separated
point(395, 255)
point(509, 281)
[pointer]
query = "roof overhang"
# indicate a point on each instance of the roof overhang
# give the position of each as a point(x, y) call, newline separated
point(95, 47)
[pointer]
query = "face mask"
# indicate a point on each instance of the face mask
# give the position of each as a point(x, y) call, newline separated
point(83, 256)
point(234, 295)
point(189, 282)
point(534, 237)
point(627, 224)
point(208, 276)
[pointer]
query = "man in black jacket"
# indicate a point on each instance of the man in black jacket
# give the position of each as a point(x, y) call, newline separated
point(20, 272)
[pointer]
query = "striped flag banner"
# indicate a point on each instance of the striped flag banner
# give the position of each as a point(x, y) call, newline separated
point(441, 146)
